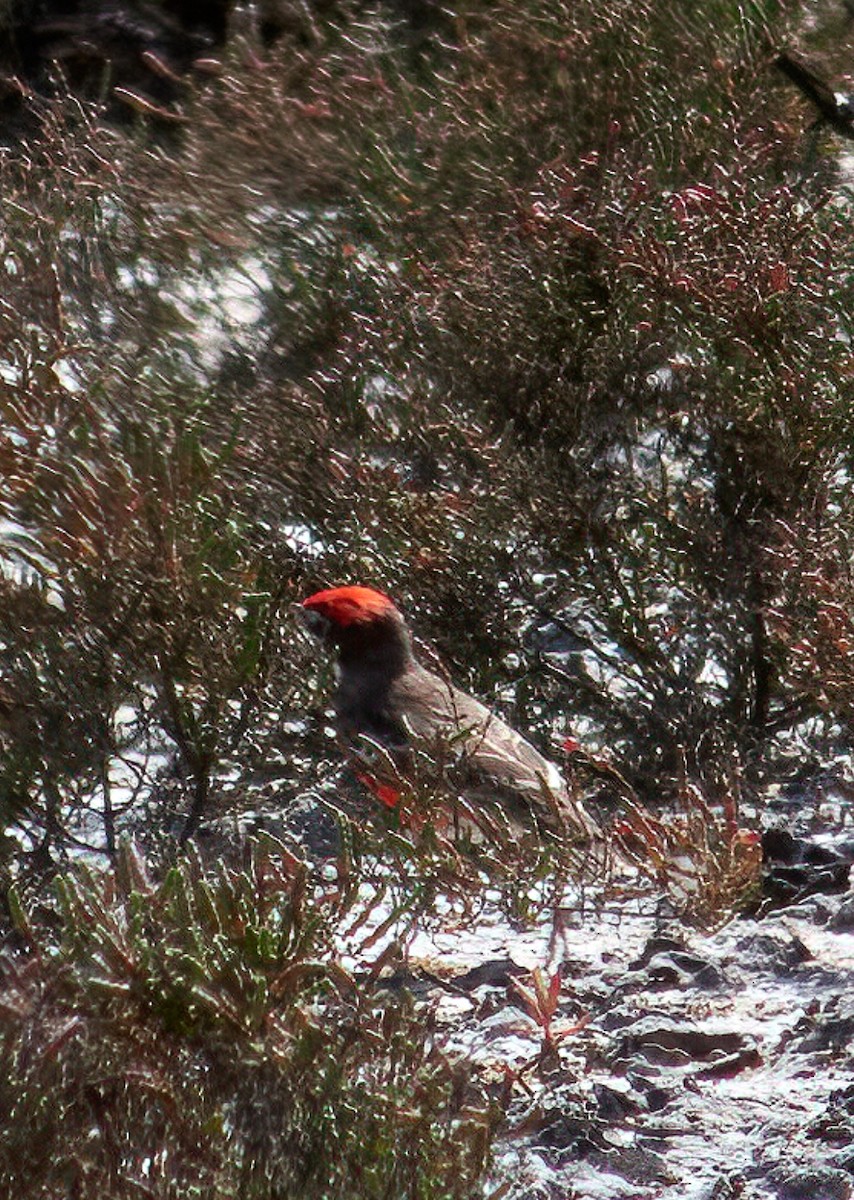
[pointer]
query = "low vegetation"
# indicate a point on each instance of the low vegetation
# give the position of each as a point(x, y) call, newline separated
point(537, 317)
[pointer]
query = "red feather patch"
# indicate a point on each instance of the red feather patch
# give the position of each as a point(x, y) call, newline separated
point(349, 605)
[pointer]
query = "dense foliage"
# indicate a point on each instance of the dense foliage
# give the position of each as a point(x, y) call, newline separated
point(535, 316)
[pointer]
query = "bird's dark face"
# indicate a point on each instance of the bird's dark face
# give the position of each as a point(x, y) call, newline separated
point(316, 623)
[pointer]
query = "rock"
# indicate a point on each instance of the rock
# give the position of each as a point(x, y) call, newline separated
point(495, 972)
point(787, 885)
point(835, 1127)
point(614, 1105)
point(842, 920)
point(730, 1065)
point(797, 867)
point(665, 962)
point(812, 1183)
point(677, 969)
point(669, 1043)
point(728, 1187)
point(658, 1098)
point(778, 952)
point(654, 946)
point(778, 845)
point(832, 1029)
point(570, 1133)
point(313, 825)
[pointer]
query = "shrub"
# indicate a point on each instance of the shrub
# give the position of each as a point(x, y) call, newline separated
point(201, 1037)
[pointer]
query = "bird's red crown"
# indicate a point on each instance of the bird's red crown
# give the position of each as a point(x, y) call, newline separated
point(349, 605)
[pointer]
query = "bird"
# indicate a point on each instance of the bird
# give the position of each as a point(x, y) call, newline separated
point(403, 725)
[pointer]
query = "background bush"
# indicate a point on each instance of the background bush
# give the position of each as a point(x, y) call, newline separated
point(537, 318)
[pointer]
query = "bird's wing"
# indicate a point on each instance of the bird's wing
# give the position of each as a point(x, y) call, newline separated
point(493, 758)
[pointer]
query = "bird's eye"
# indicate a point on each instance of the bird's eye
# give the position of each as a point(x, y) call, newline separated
point(316, 623)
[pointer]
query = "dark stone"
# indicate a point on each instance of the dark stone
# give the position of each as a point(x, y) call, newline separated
point(727, 1187)
point(653, 947)
point(797, 867)
point(784, 885)
point(314, 826)
point(657, 1098)
point(732, 1064)
point(780, 955)
point(497, 972)
point(812, 1183)
point(678, 969)
point(835, 1126)
point(614, 1105)
point(845, 1161)
point(666, 1042)
point(665, 963)
point(568, 1133)
point(835, 1034)
point(843, 919)
point(779, 846)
